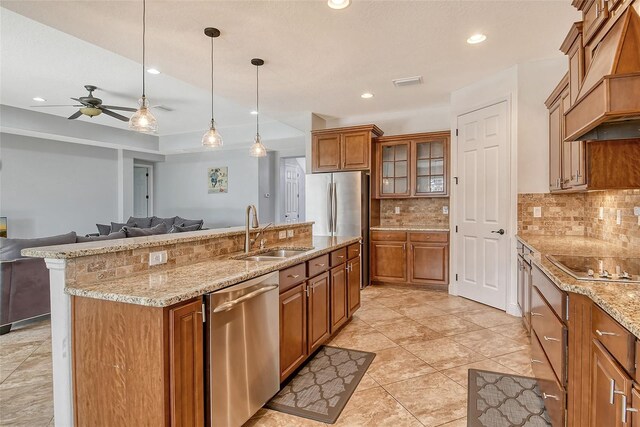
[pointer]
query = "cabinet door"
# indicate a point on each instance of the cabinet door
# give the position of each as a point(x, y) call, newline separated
point(429, 167)
point(293, 329)
point(429, 263)
point(555, 146)
point(186, 359)
point(318, 311)
point(609, 386)
point(354, 280)
point(634, 408)
point(394, 169)
point(567, 169)
point(594, 16)
point(339, 310)
point(356, 150)
point(325, 153)
point(389, 261)
point(578, 163)
point(576, 69)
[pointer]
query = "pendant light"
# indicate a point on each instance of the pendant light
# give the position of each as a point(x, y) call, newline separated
point(212, 139)
point(257, 149)
point(142, 120)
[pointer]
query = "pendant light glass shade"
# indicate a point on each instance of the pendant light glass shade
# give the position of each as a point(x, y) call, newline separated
point(257, 149)
point(211, 138)
point(142, 120)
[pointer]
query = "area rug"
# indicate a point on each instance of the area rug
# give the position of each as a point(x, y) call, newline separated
point(502, 400)
point(322, 388)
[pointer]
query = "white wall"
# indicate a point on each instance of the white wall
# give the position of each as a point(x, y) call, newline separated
point(180, 187)
point(52, 187)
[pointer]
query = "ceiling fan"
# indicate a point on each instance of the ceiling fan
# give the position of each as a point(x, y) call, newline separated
point(92, 106)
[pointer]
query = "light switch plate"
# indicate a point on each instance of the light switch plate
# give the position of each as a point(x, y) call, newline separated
point(601, 213)
point(537, 212)
point(636, 210)
point(289, 233)
point(618, 217)
point(157, 258)
point(397, 210)
point(445, 210)
point(282, 234)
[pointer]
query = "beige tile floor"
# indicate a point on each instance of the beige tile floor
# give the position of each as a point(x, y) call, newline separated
point(425, 341)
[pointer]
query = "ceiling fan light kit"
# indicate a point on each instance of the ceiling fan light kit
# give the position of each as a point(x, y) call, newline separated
point(257, 149)
point(142, 120)
point(212, 138)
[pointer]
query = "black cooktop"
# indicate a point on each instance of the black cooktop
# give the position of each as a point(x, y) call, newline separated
point(609, 269)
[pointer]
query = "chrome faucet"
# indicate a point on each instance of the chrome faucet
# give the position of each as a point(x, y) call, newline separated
point(254, 224)
point(259, 234)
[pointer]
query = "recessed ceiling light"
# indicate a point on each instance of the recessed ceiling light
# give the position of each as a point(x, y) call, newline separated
point(476, 38)
point(153, 71)
point(366, 95)
point(39, 99)
point(254, 112)
point(338, 4)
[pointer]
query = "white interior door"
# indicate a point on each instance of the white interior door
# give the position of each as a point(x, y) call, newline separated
point(140, 191)
point(482, 205)
point(291, 194)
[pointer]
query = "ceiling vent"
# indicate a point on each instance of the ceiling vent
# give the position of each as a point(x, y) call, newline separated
point(408, 81)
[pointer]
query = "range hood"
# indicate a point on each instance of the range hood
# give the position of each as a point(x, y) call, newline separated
point(608, 104)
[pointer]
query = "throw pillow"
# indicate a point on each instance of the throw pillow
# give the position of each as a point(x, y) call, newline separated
point(10, 248)
point(116, 235)
point(168, 221)
point(188, 222)
point(104, 229)
point(182, 228)
point(140, 232)
point(139, 222)
point(117, 226)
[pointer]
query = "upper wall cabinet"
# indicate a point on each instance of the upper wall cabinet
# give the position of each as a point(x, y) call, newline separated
point(415, 165)
point(343, 149)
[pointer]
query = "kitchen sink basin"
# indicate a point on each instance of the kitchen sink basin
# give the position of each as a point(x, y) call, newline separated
point(273, 255)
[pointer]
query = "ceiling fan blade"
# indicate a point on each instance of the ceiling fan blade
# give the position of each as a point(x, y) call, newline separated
point(113, 107)
point(76, 99)
point(115, 115)
point(57, 105)
point(75, 115)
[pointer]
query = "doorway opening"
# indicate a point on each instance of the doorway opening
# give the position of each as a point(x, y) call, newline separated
point(142, 190)
point(292, 181)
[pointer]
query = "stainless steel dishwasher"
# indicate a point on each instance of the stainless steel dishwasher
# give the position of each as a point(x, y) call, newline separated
point(243, 350)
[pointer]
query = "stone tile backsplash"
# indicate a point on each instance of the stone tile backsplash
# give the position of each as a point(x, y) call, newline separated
point(577, 214)
point(417, 211)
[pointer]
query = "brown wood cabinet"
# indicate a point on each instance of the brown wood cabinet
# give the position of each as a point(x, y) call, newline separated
point(594, 15)
point(319, 313)
point(610, 389)
point(416, 257)
point(354, 281)
point(342, 149)
point(412, 165)
point(293, 329)
point(339, 292)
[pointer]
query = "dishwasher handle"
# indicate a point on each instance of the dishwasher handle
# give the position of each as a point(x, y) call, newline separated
point(229, 305)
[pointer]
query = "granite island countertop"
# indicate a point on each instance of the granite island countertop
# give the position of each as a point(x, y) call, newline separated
point(620, 300)
point(425, 227)
point(168, 287)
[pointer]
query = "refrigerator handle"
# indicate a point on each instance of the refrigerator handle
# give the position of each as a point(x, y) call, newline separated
point(330, 207)
point(335, 208)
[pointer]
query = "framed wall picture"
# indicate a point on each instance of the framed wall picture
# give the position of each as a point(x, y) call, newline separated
point(218, 180)
point(3, 226)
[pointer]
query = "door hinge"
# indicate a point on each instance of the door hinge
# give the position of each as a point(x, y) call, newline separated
point(456, 277)
point(146, 174)
point(456, 178)
point(456, 228)
point(147, 197)
point(456, 132)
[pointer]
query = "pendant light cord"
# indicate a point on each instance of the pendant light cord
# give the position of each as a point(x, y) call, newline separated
point(144, 15)
point(212, 121)
point(257, 102)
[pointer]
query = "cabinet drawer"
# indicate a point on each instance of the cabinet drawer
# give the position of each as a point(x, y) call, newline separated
point(555, 297)
point(395, 236)
point(353, 251)
point(551, 333)
point(440, 237)
point(614, 338)
point(553, 393)
point(292, 276)
point(318, 265)
point(338, 257)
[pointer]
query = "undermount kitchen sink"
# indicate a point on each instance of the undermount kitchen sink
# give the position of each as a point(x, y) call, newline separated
point(273, 255)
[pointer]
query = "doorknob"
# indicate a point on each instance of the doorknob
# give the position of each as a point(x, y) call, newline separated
point(500, 232)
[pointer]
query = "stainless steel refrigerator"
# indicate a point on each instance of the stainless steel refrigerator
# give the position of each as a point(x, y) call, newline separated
point(339, 204)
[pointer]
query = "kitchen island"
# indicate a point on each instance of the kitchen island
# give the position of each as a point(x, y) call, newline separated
point(127, 338)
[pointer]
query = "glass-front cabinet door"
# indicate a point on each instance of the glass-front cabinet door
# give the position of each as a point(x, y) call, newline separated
point(430, 168)
point(394, 176)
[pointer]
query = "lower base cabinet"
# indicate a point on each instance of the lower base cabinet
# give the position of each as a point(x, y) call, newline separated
point(428, 263)
point(293, 329)
point(610, 389)
point(354, 281)
point(319, 313)
point(339, 309)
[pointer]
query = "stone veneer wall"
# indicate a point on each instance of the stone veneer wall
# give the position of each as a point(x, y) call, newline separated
point(576, 214)
point(417, 211)
point(108, 266)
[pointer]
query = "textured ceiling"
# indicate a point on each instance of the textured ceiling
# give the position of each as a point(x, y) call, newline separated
point(317, 59)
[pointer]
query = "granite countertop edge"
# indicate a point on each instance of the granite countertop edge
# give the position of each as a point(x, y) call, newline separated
point(596, 291)
point(246, 270)
point(77, 250)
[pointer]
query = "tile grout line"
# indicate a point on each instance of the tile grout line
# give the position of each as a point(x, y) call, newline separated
point(21, 363)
